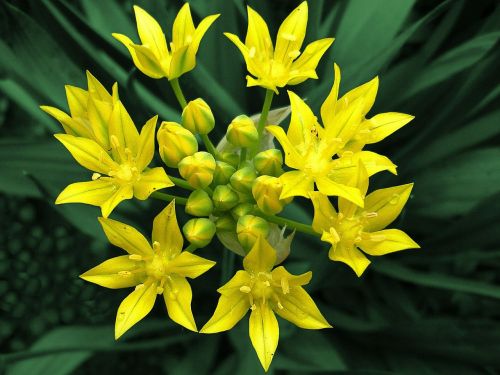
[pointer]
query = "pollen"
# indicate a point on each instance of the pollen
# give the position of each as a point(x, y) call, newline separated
point(289, 37)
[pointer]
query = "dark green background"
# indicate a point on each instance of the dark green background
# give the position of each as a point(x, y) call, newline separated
point(429, 311)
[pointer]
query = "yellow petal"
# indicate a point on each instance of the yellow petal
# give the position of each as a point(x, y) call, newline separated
point(291, 33)
point(166, 231)
point(239, 279)
point(296, 183)
point(200, 31)
point(301, 122)
point(189, 265)
point(330, 187)
point(308, 61)
point(87, 153)
point(324, 212)
point(280, 273)
point(96, 89)
point(264, 333)
point(150, 181)
point(114, 273)
point(123, 193)
point(360, 181)
point(94, 193)
point(367, 92)
point(150, 33)
point(183, 28)
point(267, 84)
point(146, 144)
point(260, 258)
point(375, 163)
point(292, 158)
point(134, 307)
point(178, 300)
point(387, 203)
point(251, 65)
point(182, 62)
point(99, 113)
point(126, 237)
point(258, 36)
point(328, 108)
point(351, 256)
point(229, 311)
point(70, 125)
point(300, 309)
point(387, 241)
point(122, 127)
point(77, 101)
point(144, 61)
point(346, 122)
point(384, 124)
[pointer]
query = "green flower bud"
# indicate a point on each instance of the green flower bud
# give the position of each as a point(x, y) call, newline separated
point(242, 180)
point(198, 169)
point(231, 158)
point(175, 143)
point(269, 162)
point(242, 209)
point(249, 228)
point(266, 191)
point(223, 172)
point(199, 203)
point(198, 117)
point(242, 132)
point(199, 231)
point(224, 197)
point(225, 223)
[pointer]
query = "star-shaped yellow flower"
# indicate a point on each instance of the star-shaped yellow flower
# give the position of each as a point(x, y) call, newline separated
point(121, 171)
point(265, 291)
point(158, 269)
point(354, 227)
point(153, 56)
point(285, 64)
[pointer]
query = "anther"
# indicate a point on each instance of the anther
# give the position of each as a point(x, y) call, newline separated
point(285, 286)
point(294, 54)
point(370, 215)
point(189, 39)
point(377, 237)
point(289, 37)
point(95, 176)
point(135, 257)
point(253, 307)
point(156, 246)
point(159, 290)
point(280, 306)
point(245, 289)
point(251, 52)
point(140, 286)
point(115, 143)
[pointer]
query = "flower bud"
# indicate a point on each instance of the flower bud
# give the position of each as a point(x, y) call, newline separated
point(224, 197)
point(269, 162)
point(231, 158)
point(198, 117)
point(249, 228)
point(242, 132)
point(266, 191)
point(242, 209)
point(242, 180)
point(198, 169)
point(223, 172)
point(225, 223)
point(199, 231)
point(199, 203)
point(175, 143)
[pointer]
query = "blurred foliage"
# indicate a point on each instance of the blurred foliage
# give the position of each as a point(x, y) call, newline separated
point(431, 311)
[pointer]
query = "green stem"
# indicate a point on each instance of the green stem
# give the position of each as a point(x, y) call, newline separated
point(209, 145)
point(243, 156)
point(301, 227)
point(191, 248)
point(263, 119)
point(169, 197)
point(181, 183)
point(178, 92)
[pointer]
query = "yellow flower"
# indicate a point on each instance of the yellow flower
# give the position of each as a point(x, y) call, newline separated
point(153, 56)
point(354, 227)
point(285, 64)
point(158, 269)
point(265, 291)
point(120, 173)
point(89, 109)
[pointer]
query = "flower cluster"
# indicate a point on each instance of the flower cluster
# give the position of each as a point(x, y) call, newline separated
point(235, 190)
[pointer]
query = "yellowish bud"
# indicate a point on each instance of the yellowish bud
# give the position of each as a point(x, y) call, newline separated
point(242, 209)
point(249, 228)
point(198, 169)
point(266, 191)
point(199, 231)
point(225, 223)
point(198, 117)
point(231, 158)
point(199, 203)
point(242, 132)
point(224, 197)
point(175, 143)
point(242, 180)
point(269, 162)
point(223, 172)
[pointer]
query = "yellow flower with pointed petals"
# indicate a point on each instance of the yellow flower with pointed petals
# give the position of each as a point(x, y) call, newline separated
point(368, 131)
point(153, 56)
point(354, 228)
point(120, 173)
point(160, 268)
point(284, 64)
point(265, 291)
point(90, 111)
